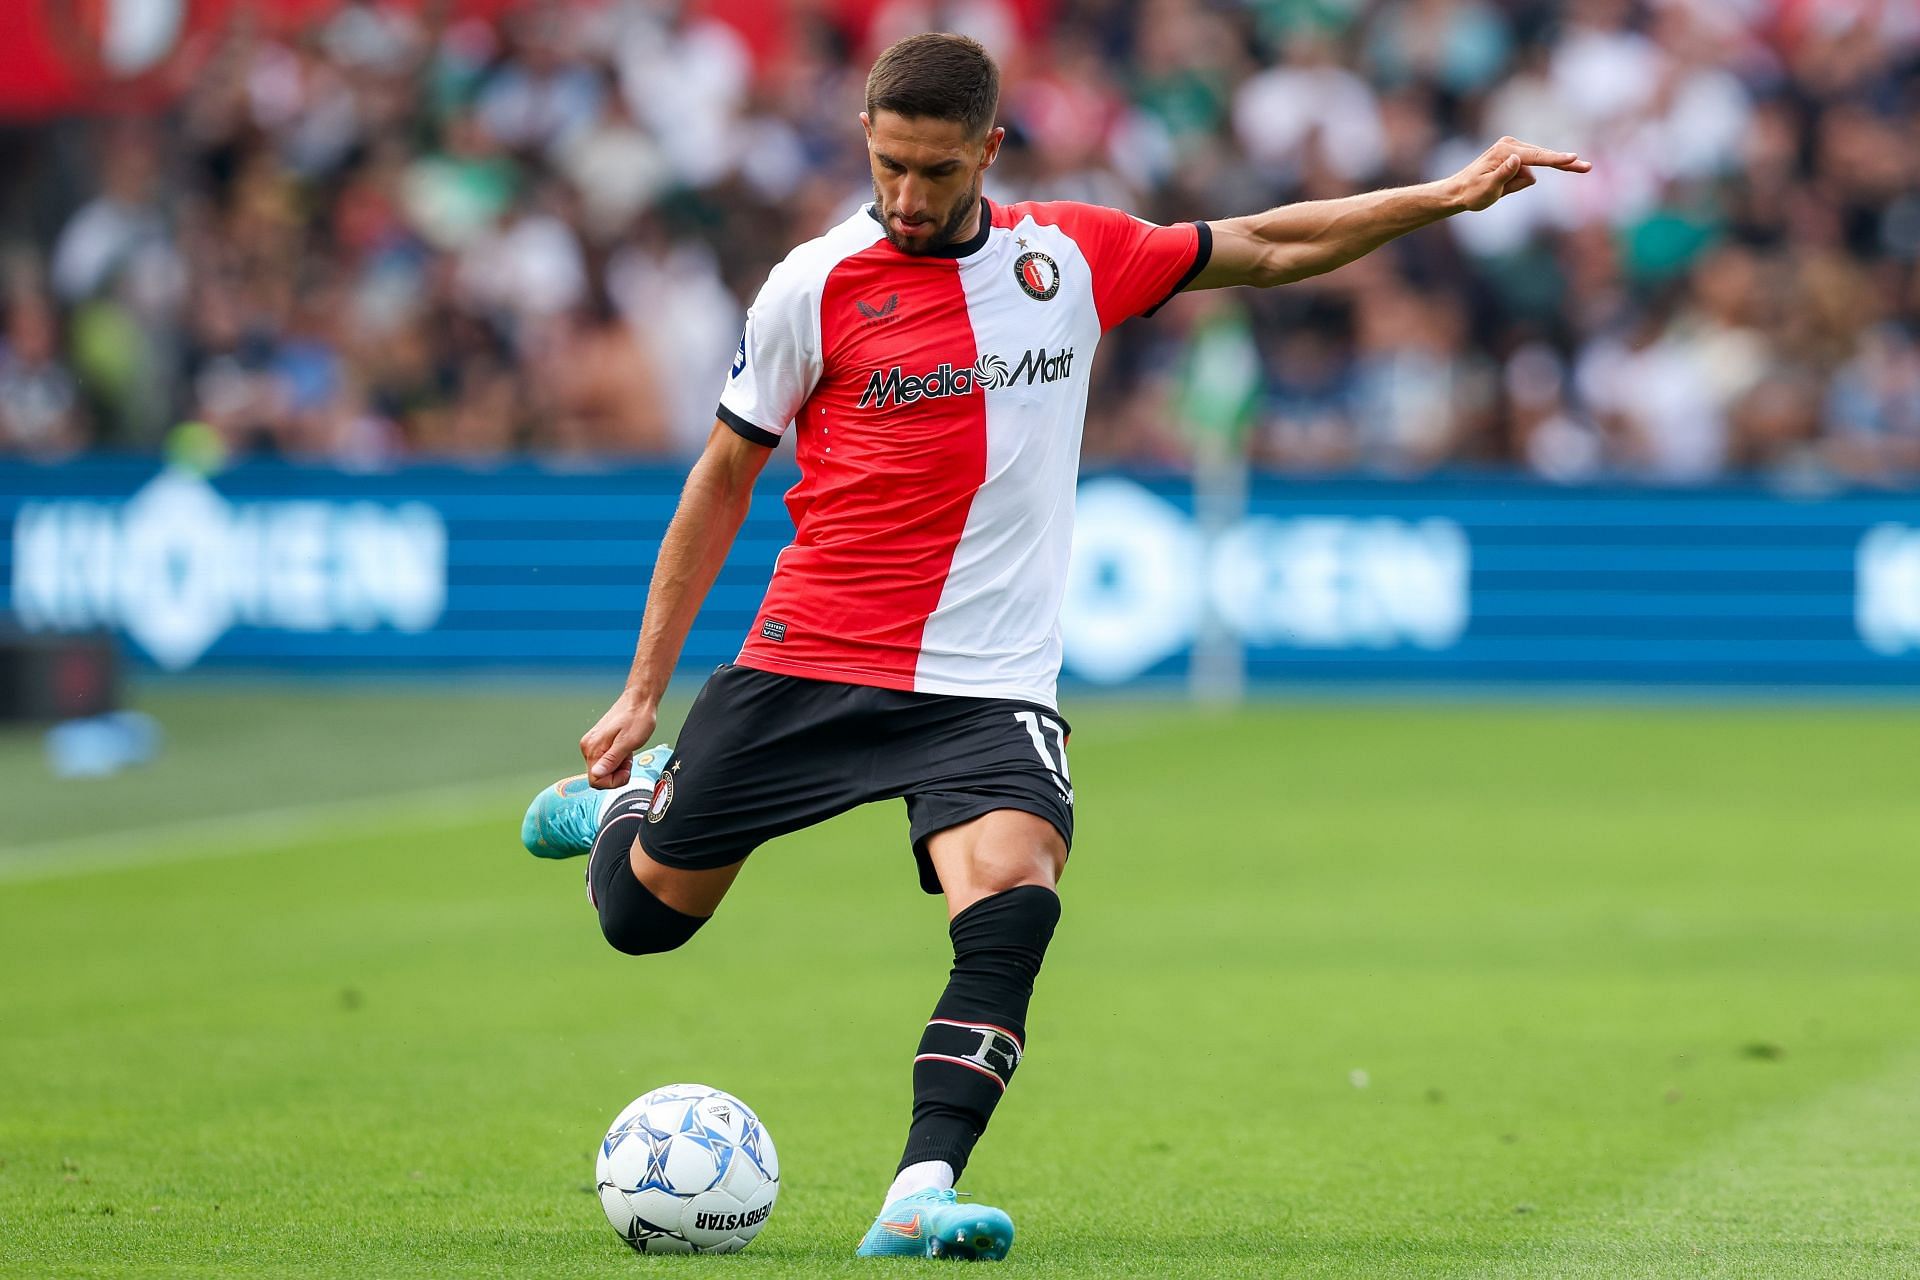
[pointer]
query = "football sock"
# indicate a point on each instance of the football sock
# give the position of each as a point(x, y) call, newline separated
point(633, 920)
point(925, 1176)
point(978, 1031)
point(620, 824)
point(614, 795)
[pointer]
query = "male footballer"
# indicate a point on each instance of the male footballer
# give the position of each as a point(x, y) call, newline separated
point(930, 355)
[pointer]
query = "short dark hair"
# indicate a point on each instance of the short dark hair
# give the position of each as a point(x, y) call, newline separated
point(936, 76)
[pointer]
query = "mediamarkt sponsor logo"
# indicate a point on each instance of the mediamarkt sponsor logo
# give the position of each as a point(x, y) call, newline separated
point(988, 374)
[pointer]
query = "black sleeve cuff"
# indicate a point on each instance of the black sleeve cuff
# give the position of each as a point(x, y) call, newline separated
point(1202, 252)
point(747, 430)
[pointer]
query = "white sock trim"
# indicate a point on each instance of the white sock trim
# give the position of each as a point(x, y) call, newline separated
point(928, 1175)
point(617, 793)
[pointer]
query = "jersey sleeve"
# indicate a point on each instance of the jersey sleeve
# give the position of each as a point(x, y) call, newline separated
point(778, 361)
point(1137, 265)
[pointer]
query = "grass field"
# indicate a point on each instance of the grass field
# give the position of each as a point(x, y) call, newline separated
point(1340, 991)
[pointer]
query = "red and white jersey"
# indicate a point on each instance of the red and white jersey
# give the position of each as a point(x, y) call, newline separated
point(939, 402)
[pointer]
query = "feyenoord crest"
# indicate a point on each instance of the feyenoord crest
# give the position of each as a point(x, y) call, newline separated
point(662, 797)
point(1039, 275)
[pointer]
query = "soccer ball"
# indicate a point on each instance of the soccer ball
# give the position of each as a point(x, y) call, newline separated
point(687, 1169)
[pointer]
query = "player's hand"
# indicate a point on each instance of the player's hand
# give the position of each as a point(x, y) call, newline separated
point(608, 747)
point(1507, 167)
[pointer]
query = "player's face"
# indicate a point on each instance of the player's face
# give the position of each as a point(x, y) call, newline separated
point(926, 178)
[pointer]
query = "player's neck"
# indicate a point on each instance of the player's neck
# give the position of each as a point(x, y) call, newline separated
point(971, 227)
point(972, 234)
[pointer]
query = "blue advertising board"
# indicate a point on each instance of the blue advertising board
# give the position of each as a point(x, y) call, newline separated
point(1457, 581)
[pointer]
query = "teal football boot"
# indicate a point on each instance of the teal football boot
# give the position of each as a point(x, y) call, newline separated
point(934, 1224)
point(563, 819)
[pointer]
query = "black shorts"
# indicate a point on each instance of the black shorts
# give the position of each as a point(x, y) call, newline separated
point(763, 754)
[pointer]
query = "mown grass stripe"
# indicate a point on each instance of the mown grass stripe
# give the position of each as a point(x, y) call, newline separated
point(265, 830)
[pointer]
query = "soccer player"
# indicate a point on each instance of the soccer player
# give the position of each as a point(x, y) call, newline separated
point(930, 353)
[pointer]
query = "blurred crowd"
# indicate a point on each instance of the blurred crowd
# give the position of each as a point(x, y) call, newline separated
point(394, 237)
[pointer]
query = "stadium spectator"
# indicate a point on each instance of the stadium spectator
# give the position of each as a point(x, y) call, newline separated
point(393, 235)
point(39, 405)
point(594, 386)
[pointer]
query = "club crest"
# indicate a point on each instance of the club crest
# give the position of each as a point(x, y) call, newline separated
point(1037, 275)
point(662, 797)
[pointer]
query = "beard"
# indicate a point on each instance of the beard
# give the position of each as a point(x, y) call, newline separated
point(946, 235)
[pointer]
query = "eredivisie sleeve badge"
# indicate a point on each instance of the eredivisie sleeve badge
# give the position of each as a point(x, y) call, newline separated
point(1038, 275)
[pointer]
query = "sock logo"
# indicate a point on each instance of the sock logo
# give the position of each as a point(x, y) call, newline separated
point(990, 1050)
point(997, 1051)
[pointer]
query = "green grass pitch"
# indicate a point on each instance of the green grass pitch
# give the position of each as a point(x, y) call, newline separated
point(1366, 991)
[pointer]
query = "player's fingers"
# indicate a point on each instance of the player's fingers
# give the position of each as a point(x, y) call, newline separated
point(1549, 158)
point(593, 745)
point(1519, 182)
point(1496, 184)
point(616, 759)
point(599, 747)
point(612, 769)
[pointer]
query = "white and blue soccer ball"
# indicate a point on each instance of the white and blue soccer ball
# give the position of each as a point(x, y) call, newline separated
point(687, 1169)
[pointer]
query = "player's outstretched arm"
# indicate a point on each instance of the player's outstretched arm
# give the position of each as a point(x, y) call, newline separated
point(712, 506)
point(1295, 241)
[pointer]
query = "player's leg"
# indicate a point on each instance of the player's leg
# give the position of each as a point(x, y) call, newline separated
point(999, 871)
point(759, 755)
point(992, 829)
point(999, 851)
point(647, 907)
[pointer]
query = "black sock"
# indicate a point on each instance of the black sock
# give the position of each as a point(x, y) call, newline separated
point(633, 920)
point(979, 1028)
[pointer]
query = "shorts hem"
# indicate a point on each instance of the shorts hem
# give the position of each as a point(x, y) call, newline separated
point(693, 861)
point(929, 882)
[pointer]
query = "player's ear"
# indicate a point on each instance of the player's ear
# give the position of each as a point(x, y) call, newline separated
point(991, 149)
point(866, 122)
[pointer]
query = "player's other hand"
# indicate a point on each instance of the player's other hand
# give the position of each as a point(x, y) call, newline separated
point(608, 747)
point(1506, 167)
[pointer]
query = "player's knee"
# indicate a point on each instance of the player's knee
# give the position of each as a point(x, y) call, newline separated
point(639, 924)
point(1035, 866)
point(1045, 865)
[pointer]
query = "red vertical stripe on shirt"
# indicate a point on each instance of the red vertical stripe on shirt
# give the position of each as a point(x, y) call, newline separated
point(884, 488)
